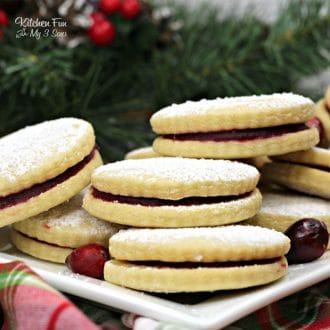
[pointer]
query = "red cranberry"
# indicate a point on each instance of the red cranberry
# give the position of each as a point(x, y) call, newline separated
point(88, 260)
point(309, 240)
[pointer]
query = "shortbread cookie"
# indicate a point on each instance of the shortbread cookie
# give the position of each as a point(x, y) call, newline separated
point(54, 234)
point(323, 114)
point(306, 171)
point(237, 127)
point(42, 166)
point(196, 259)
point(140, 153)
point(281, 209)
point(174, 192)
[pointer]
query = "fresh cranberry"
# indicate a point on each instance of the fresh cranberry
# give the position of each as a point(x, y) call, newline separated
point(309, 240)
point(88, 260)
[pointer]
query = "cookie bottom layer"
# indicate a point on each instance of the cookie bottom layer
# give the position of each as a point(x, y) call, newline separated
point(275, 145)
point(39, 249)
point(52, 197)
point(174, 216)
point(299, 177)
point(167, 279)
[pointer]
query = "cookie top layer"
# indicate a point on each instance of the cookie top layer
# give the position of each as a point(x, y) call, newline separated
point(233, 113)
point(225, 243)
point(38, 153)
point(66, 224)
point(175, 178)
point(288, 204)
point(314, 156)
point(141, 153)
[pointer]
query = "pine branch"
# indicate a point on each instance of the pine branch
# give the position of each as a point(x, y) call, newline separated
point(117, 88)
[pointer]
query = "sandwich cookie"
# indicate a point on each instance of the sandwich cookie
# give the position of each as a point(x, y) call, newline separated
point(323, 115)
point(54, 234)
point(196, 259)
point(141, 153)
point(42, 166)
point(306, 171)
point(281, 209)
point(174, 192)
point(235, 127)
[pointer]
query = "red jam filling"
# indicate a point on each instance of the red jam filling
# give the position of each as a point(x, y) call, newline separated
point(37, 189)
point(316, 122)
point(107, 197)
point(241, 135)
point(43, 242)
point(190, 265)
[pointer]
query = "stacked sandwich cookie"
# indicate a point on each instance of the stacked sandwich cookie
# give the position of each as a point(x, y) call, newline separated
point(185, 197)
point(196, 259)
point(174, 192)
point(237, 127)
point(306, 171)
point(54, 234)
point(42, 166)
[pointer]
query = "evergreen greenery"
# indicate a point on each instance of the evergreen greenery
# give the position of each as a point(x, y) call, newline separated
point(118, 87)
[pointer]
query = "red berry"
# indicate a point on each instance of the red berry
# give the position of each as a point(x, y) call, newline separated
point(97, 16)
point(316, 122)
point(88, 260)
point(309, 240)
point(110, 6)
point(4, 19)
point(102, 33)
point(130, 8)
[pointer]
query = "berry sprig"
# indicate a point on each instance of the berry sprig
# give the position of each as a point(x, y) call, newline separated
point(4, 22)
point(102, 31)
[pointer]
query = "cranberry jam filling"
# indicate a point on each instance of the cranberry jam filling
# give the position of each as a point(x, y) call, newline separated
point(241, 135)
point(37, 189)
point(43, 242)
point(190, 265)
point(316, 122)
point(107, 197)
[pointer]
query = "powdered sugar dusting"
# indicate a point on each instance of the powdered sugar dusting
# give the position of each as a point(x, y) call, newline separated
point(290, 204)
point(228, 235)
point(201, 107)
point(23, 151)
point(72, 216)
point(179, 170)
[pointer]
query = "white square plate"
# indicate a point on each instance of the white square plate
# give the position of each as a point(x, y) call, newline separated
point(214, 313)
